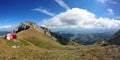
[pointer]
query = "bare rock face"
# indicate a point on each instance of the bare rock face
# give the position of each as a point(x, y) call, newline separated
point(43, 30)
point(21, 27)
point(115, 39)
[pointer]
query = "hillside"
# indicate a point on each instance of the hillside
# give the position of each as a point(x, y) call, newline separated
point(33, 33)
point(31, 29)
point(115, 39)
point(36, 44)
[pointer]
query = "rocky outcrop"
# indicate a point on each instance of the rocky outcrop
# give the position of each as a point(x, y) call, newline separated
point(54, 36)
point(115, 39)
point(43, 30)
point(104, 43)
point(21, 27)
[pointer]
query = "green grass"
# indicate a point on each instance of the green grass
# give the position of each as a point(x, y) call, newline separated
point(16, 43)
point(53, 52)
point(71, 43)
point(39, 43)
point(98, 42)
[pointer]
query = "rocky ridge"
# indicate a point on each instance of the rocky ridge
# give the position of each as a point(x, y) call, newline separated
point(43, 30)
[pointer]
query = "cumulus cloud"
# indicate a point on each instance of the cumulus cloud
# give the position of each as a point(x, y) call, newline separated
point(81, 18)
point(110, 11)
point(63, 4)
point(44, 11)
point(6, 27)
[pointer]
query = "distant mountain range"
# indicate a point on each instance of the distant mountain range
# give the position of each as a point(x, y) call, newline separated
point(84, 35)
point(4, 32)
point(84, 30)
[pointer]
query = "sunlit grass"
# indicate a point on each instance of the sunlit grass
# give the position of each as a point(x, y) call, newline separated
point(16, 43)
point(36, 49)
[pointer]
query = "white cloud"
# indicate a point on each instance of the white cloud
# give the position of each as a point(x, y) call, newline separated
point(6, 27)
point(44, 11)
point(63, 4)
point(102, 1)
point(117, 17)
point(106, 1)
point(82, 18)
point(113, 2)
point(110, 11)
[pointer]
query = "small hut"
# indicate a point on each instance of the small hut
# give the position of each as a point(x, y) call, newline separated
point(11, 36)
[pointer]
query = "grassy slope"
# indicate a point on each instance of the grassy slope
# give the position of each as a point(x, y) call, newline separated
point(37, 46)
point(69, 52)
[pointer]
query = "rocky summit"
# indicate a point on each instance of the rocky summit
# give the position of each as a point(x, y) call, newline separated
point(21, 27)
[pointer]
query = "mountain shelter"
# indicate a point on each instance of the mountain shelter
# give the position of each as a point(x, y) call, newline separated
point(11, 36)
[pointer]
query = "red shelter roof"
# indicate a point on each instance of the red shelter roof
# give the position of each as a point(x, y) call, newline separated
point(11, 36)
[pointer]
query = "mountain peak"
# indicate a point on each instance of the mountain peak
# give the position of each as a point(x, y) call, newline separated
point(36, 29)
point(29, 23)
point(21, 27)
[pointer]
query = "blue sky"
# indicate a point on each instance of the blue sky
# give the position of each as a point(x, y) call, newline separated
point(13, 12)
